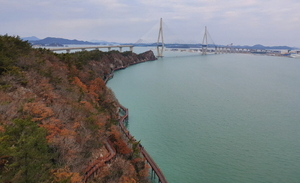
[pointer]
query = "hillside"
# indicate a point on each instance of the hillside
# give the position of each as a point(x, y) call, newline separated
point(262, 47)
point(56, 114)
point(31, 38)
point(59, 41)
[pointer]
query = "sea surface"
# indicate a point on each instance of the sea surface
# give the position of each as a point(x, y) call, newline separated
point(216, 118)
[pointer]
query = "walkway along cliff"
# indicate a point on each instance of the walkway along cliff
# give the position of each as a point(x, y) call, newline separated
point(150, 161)
point(94, 168)
point(154, 167)
point(100, 162)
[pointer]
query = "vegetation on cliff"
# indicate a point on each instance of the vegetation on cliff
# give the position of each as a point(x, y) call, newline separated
point(56, 112)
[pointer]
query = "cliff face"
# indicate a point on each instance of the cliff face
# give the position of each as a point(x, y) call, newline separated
point(115, 60)
point(56, 113)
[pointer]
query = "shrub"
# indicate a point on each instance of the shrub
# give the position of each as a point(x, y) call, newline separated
point(10, 49)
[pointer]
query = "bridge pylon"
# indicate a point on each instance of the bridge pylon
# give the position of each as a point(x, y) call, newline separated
point(204, 42)
point(160, 41)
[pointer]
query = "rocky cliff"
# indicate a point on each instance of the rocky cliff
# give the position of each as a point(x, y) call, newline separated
point(115, 60)
point(56, 114)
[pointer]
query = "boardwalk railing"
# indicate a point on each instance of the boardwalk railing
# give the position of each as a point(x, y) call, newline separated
point(123, 118)
point(153, 165)
point(94, 167)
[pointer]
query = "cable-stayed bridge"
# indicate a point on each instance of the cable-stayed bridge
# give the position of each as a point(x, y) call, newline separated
point(206, 47)
point(167, 40)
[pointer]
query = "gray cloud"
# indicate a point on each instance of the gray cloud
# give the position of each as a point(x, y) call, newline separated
point(269, 22)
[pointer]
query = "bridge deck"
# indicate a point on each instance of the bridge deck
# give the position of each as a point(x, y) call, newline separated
point(90, 47)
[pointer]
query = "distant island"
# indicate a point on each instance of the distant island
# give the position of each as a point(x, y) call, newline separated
point(262, 47)
point(51, 41)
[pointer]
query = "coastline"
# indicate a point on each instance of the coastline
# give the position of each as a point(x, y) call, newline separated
point(111, 74)
point(159, 174)
point(70, 114)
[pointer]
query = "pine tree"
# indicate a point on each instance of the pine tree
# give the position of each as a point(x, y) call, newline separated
point(26, 146)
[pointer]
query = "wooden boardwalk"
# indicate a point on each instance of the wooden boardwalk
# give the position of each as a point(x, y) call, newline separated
point(151, 162)
point(92, 170)
point(158, 173)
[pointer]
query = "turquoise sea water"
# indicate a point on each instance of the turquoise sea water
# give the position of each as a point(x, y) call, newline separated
point(216, 118)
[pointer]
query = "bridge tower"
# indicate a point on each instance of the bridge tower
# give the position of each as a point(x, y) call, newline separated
point(160, 44)
point(204, 43)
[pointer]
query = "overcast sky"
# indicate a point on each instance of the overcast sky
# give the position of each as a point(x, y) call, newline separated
point(241, 22)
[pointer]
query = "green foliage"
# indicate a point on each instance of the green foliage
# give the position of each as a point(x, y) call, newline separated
point(44, 51)
point(91, 124)
point(4, 85)
point(127, 53)
point(79, 59)
point(26, 145)
point(113, 51)
point(49, 74)
point(135, 149)
point(10, 49)
point(30, 100)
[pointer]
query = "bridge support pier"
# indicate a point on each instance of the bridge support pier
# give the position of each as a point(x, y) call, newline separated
point(109, 48)
point(120, 49)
